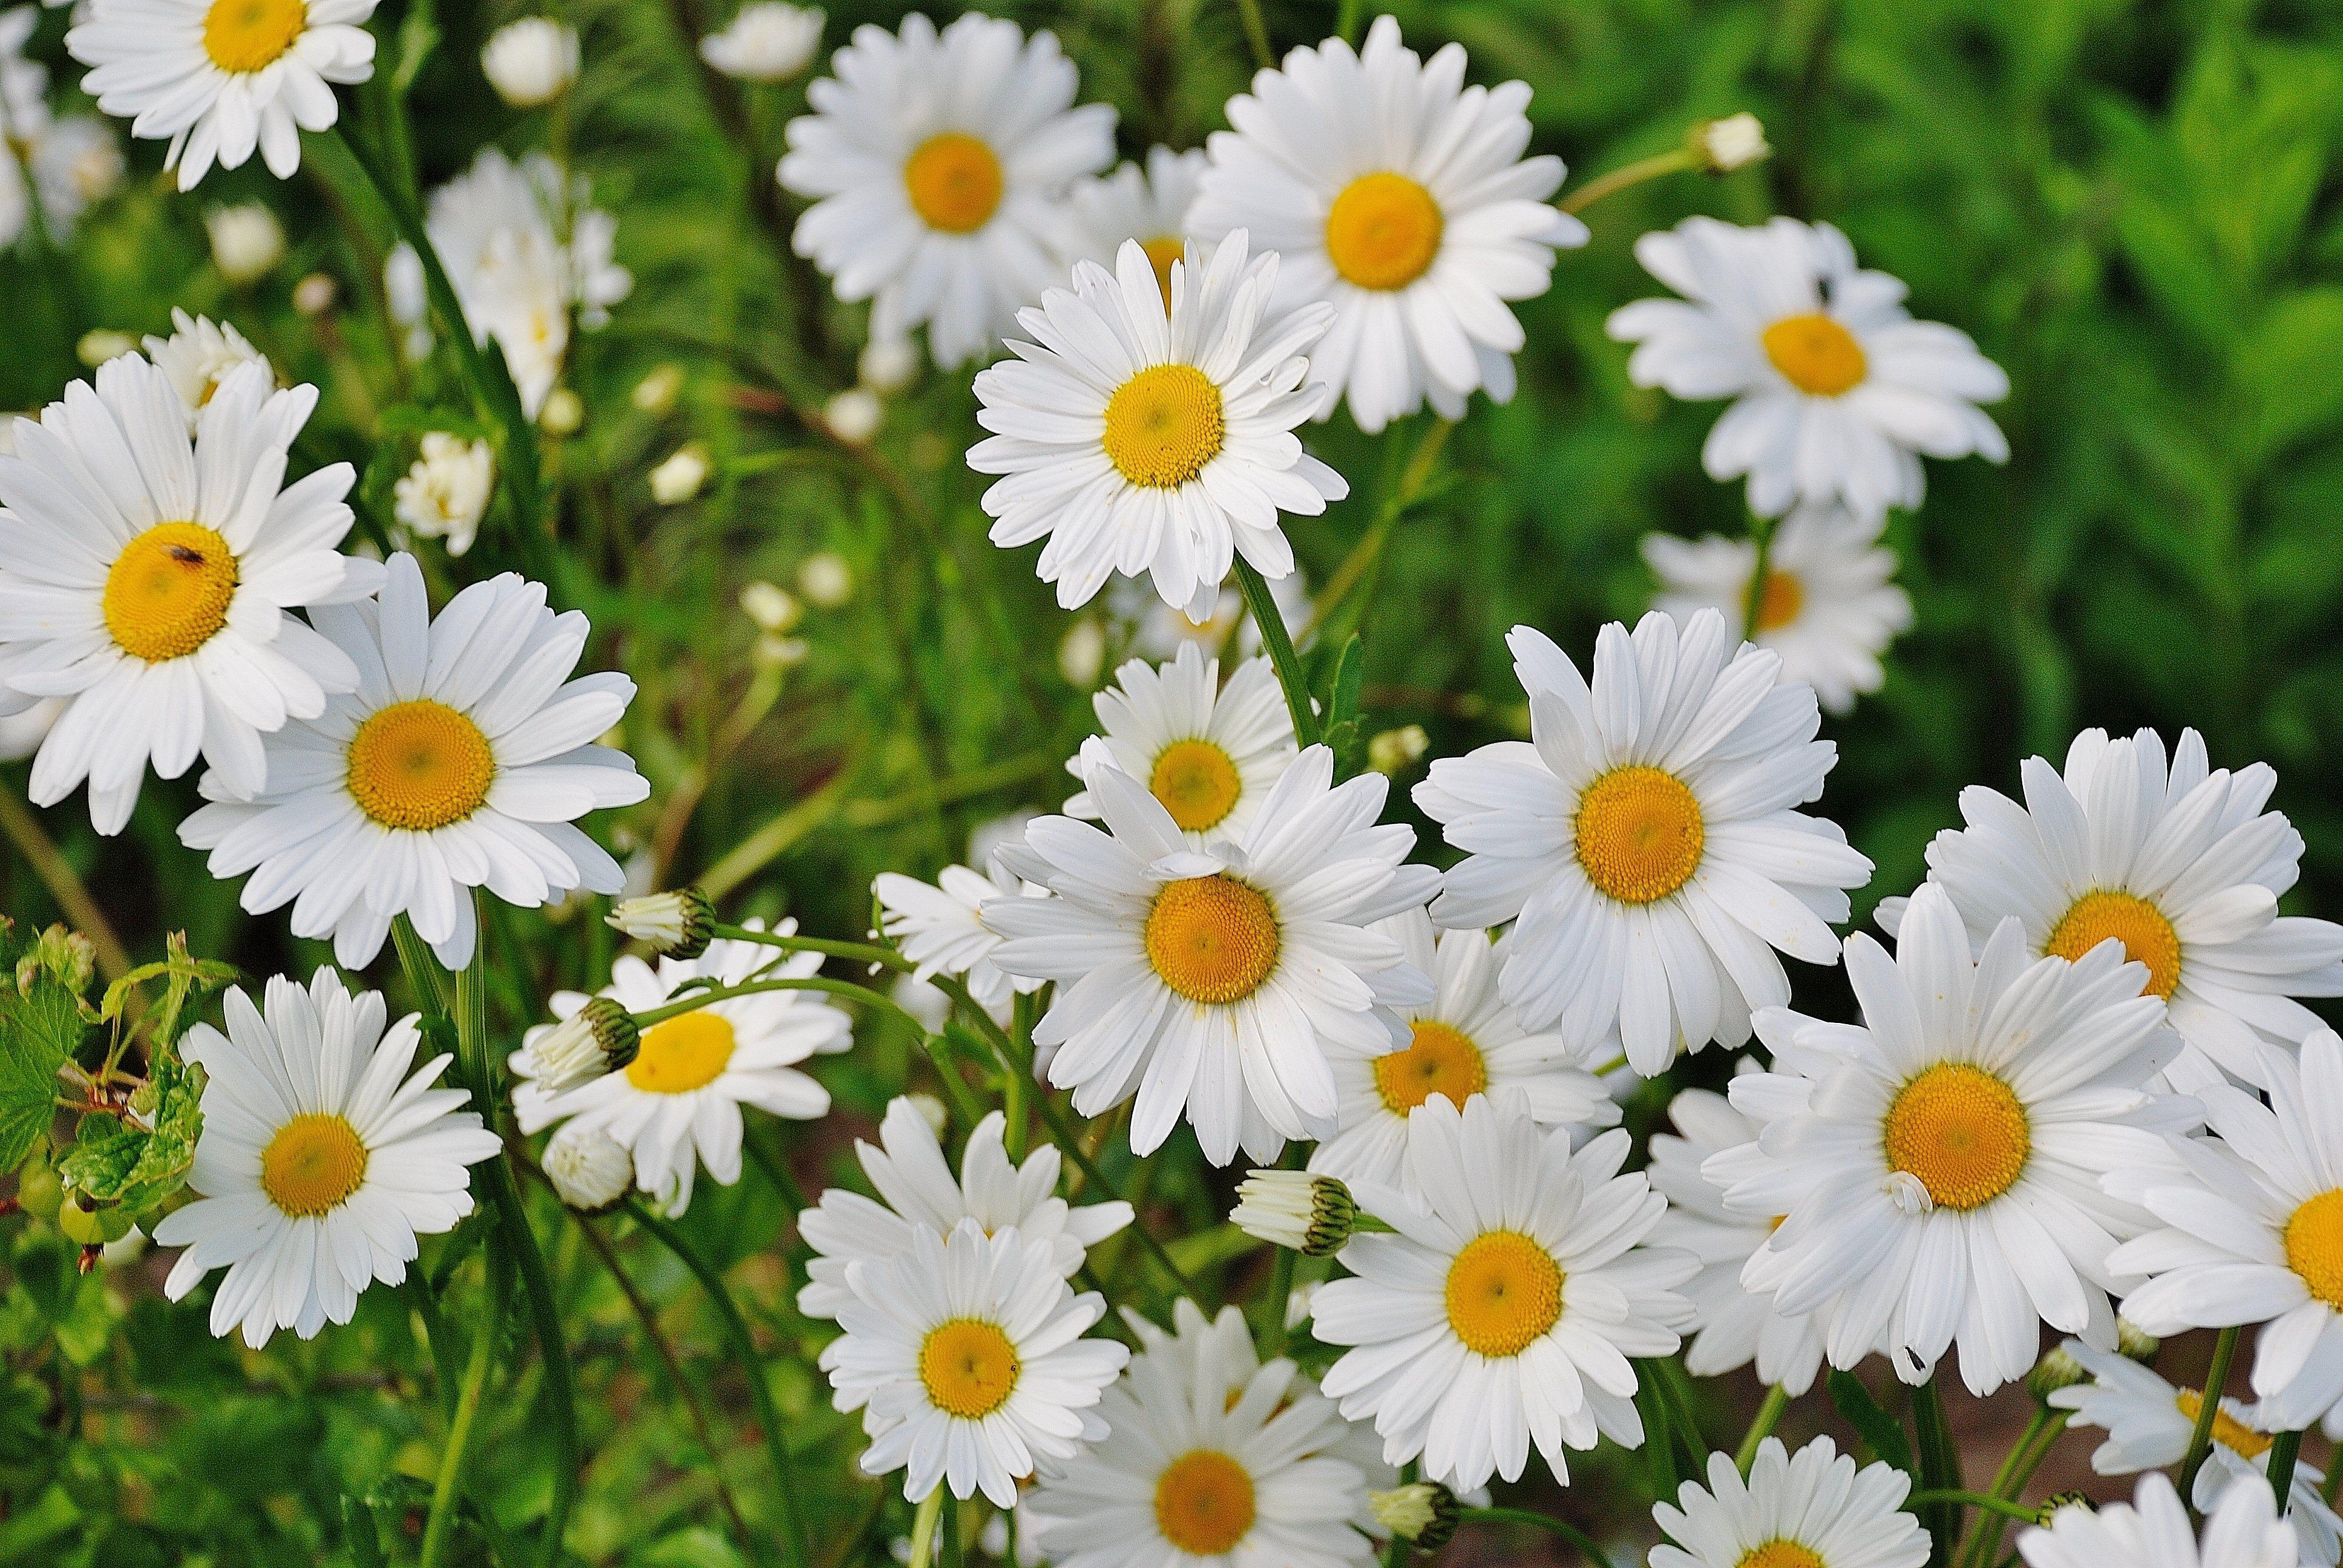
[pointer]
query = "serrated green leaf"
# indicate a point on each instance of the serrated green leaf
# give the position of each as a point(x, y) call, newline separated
point(141, 1159)
point(37, 1032)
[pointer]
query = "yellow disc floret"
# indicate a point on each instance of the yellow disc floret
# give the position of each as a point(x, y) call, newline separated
point(419, 765)
point(1204, 1503)
point(1780, 1553)
point(312, 1164)
point(1212, 939)
point(954, 182)
point(1161, 252)
point(1164, 425)
point(2314, 1246)
point(168, 591)
point(2146, 936)
point(683, 1053)
point(246, 35)
point(1779, 601)
point(1638, 834)
point(1383, 231)
point(1961, 1132)
point(2227, 1431)
point(1815, 355)
point(1197, 782)
point(1505, 1291)
point(969, 1368)
point(1440, 1059)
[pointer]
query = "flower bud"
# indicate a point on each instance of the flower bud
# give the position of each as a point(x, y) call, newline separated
point(854, 415)
point(1422, 1513)
point(2058, 1503)
point(1313, 1215)
point(2057, 1369)
point(656, 392)
point(2135, 1343)
point(316, 293)
point(769, 41)
point(887, 364)
point(676, 925)
point(1732, 143)
point(597, 1039)
point(532, 61)
point(589, 1170)
point(564, 412)
point(1394, 749)
point(678, 479)
point(826, 579)
point(770, 605)
point(247, 241)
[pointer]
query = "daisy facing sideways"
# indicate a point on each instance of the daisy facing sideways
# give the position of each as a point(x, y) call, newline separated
point(1210, 753)
point(2244, 1532)
point(1811, 1509)
point(940, 926)
point(324, 1153)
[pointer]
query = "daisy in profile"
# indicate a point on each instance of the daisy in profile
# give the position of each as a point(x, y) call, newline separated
point(1938, 1167)
point(1648, 838)
point(324, 1153)
point(936, 164)
point(940, 926)
point(1464, 1042)
point(459, 762)
point(1829, 605)
point(2177, 861)
point(1137, 437)
point(1210, 753)
point(2244, 1532)
point(676, 1106)
point(221, 77)
point(1400, 197)
point(1148, 205)
point(1811, 1509)
point(966, 1356)
point(146, 576)
point(1505, 1311)
point(1216, 982)
point(199, 356)
point(1837, 392)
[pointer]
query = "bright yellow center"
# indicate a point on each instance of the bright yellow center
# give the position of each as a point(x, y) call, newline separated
point(2314, 1246)
point(312, 1164)
point(168, 591)
point(682, 1054)
point(1815, 354)
point(2146, 936)
point(1383, 231)
point(1638, 834)
point(2227, 1431)
point(1779, 601)
point(954, 181)
point(1197, 783)
point(248, 34)
point(968, 1367)
point(1203, 1503)
point(1779, 1553)
point(1164, 425)
point(1505, 1290)
point(1212, 939)
point(1161, 252)
point(1440, 1060)
point(1959, 1130)
point(419, 765)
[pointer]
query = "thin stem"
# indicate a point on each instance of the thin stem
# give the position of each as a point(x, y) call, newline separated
point(2016, 1470)
point(1282, 657)
point(846, 989)
point(423, 971)
point(1940, 1469)
point(1257, 34)
point(1064, 1136)
point(1942, 1496)
point(57, 875)
point(1676, 161)
point(865, 952)
point(2285, 1449)
point(1753, 606)
point(1568, 1532)
point(923, 1527)
point(1367, 554)
point(552, 1349)
point(1769, 1414)
point(2209, 1406)
point(442, 1516)
point(954, 1553)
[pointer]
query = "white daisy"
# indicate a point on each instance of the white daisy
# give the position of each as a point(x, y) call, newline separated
point(2244, 1532)
point(1830, 605)
point(1216, 980)
point(677, 1105)
point(322, 1158)
point(445, 490)
point(146, 577)
point(459, 762)
point(64, 163)
point(1811, 1509)
point(1506, 1310)
point(940, 926)
point(768, 41)
point(1647, 840)
point(1141, 441)
point(1147, 205)
point(1464, 1042)
point(198, 357)
point(1837, 392)
point(1210, 753)
point(936, 163)
point(1399, 195)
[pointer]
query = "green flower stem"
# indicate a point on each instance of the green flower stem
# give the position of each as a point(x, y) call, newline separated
point(2016, 1470)
point(865, 952)
point(1279, 1301)
point(1940, 1471)
point(1282, 657)
point(692, 1001)
point(2285, 1449)
point(1063, 1133)
point(1366, 556)
point(1954, 1497)
point(1761, 530)
point(441, 1519)
point(1761, 1425)
point(417, 1289)
point(955, 1549)
point(1257, 34)
point(1586, 1545)
point(2209, 1406)
point(1676, 161)
point(923, 1527)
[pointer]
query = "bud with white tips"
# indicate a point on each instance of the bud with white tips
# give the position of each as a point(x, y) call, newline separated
point(676, 925)
point(931, 1111)
point(2136, 1343)
point(1732, 143)
point(591, 1171)
point(2057, 1369)
point(1313, 1215)
point(596, 1041)
point(1422, 1513)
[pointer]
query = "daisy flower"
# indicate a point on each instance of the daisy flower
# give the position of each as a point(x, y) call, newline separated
point(936, 164)
point(1464, 1042)
point(1216, 980)
point(677, 1105)
point(940, 926)
point(1210, 753)
point(461, 761)
point(1938, 1167)
point(324, 1153)
point(1147, 205)
point(1829, 606)
point(1646, 838)
point(768, 41)
point(967, 1358)
point(1505, 1311)
point(1837, 392)
point(2180, 863)
point(1811, 1509)
point(61, 163)
point(1400, 197)
point(1142, 438)
point(145, 576)
point(197, 358)
point(219, 77)
point(2244, 1532)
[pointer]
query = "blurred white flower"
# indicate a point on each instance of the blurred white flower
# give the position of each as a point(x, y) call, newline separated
point(247, 242)
point(679, 478)
point(655, 393)
point(1732, 143)
point(854, 415)
point(199, 356)
point(768, 41)
point(826, 580)
point(887, 364)
point(770, 606)
point(532, 61)
point(443, 494)
point(316, 293)
point(1148, 205)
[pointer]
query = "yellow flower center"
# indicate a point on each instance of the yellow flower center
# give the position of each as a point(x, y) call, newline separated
point(1780, 1553)
point(248, 34)
point(2314, 1246)
point(1161, 252)
point(2146, 936)
point(1638, 834)
point(312, 1164)
point(1815, 354)
point(1505, 1290)
point(1212, 939)
point(168, 591)
point(1164, 425)
point(954, 181)
point(1779, 601)
point(1383, 231)
point(1440, 1059)
point(1203, 1503)
point(419, 765)
point(682, 1054)
point(1959, 1130)
point(1197, 783)
point(2227, 1431)
point(969, 1368)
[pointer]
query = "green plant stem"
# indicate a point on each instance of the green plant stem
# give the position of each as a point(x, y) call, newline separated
point(865, 952)
point(1568, 1532)
point(2033, 1447)
point(1769, 1414)
point(2285, 1449)
point(1282, 657)
point(1761, 532)
point(923, 1527)
point(1366, 556)
point(1065, 1138)
point(2209, 1406)
point(845, 990)
point(1954, 1497)
point(441, 1519)
point(1257, 34)
point(1940, 1469)
point(553, 1351)
point(1678, 160)
point(955, 1550)
point(64, 885)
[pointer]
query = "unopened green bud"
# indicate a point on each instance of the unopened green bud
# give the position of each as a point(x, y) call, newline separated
point(1313, 1215)
point(1422, 1513)
point(677, 925)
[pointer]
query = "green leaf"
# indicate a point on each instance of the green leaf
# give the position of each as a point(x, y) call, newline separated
point(185, 974)
point(40, 1024)
point(1878, 1429)
point(142, 1158)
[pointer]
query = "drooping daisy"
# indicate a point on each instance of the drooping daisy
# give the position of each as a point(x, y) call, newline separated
point(1811, 1509)
point(940, 926)
point(1938, 1167)
point(936, 163)
point(461, 761)
point(2244, 1532)
point(1647, 840)
point(1829, 605)
point(322, 1158)
point(1464, 1042)
point(1147, 205)
point(147, 576)
point(1399, 195)
point(197, 358)
point(677, 1105)
point(1210, 753)
point(2181, 864)
point(1837, 392)
point(219, 77)
point(1504, 1312)
point(1137, 440)
point(967, 1358)
point(1216, 980)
